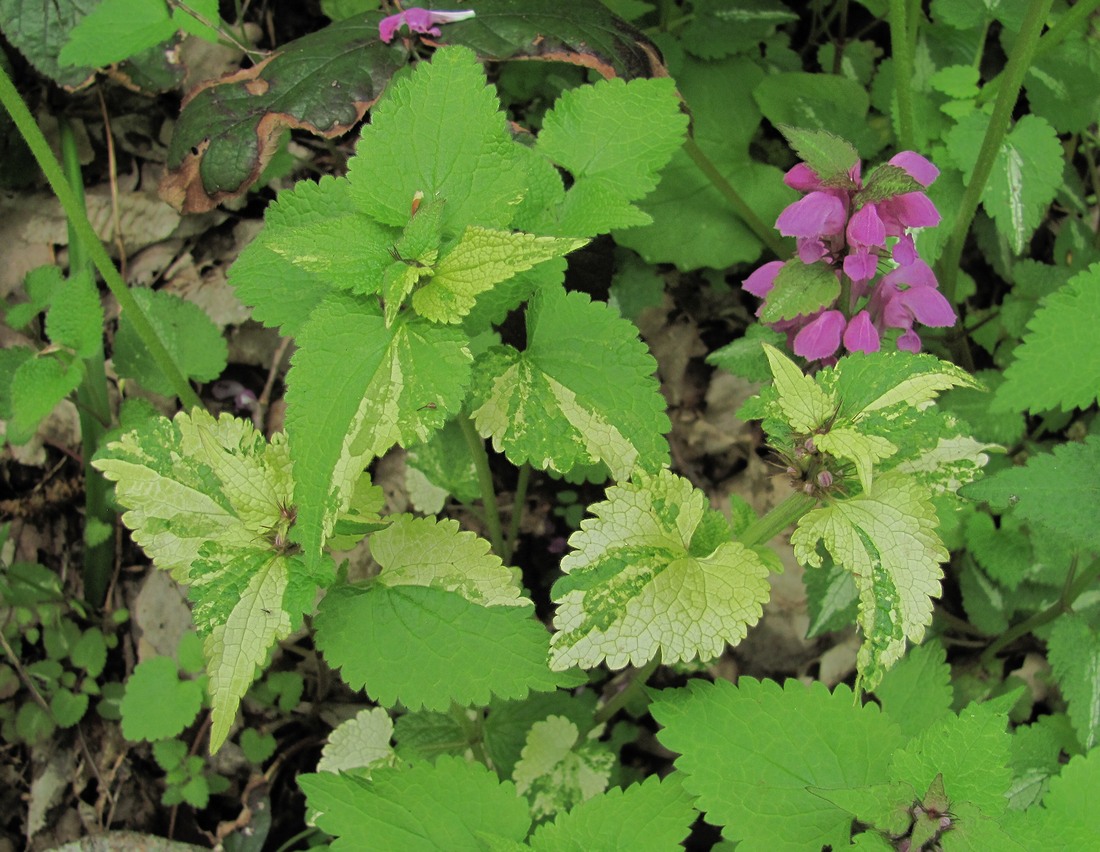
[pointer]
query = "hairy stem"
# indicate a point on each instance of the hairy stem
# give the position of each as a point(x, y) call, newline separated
point(78, 221)
point(627, 694)
point(1007, 95)
point(745, 213)
point(903, 71)
point(764, 529)
point(94, 409)
point(485, 481)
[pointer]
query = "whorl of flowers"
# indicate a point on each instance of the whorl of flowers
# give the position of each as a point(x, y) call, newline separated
point(847, 227)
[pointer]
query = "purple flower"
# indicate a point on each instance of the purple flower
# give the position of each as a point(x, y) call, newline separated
point(861, 334)
point(761, 281)
point(819, 214)
point(820, 337)
point(419, 21)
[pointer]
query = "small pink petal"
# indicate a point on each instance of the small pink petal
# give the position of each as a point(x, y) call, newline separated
point(909, 342)
point(860, 265)
point(919, 168)
point(811, 250)
point(929, 307)
point(419, 21)
point(802, 178)
point(865, 228)
point(861, 334)
point(761, 281)
point(916, 274)
point(818, 214)
point(913, 210)
point(820, 338)
point(905, 250)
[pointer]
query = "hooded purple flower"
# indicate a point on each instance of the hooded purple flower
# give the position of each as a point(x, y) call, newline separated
point(820, 337)
point(419, 21)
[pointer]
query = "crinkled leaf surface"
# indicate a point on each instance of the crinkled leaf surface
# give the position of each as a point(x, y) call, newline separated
point(1059, 491)
point(1059, 334)
point(830, 156)
point(440, 466)
point(582, 392)
point(637, 583)
point(693, 224)
point(558, 770)
point(209, 500)
point(158, 705)
point(360, 742)
point(191, 338)
point(357, 387)
point(750, 752)
point(482, 259)
point(655, 814)
point(38, 384)
point(506, 727)
point(804, 405)
point(1026, 174)
point(800, 289)
point(40, 30)
point(917, 691)
point(827, 102)
point(426, 807)
point(75, 318)
point(118, 29)
point(443, 622)
point(1067, 817)
point(325, 82)
point(281, 292)
point(1074, 654)
point(594, 132)
point(887, 538)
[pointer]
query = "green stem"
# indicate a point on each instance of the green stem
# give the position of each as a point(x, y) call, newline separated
point(1076, 584)
point(627, 694)
point(764, 529)
point(94, 408)
point(1075, 17)
point(1009, 92)
point(903, 72)
point(78, 221)
point(745, 213)
point(517, 512)
point(485, 482)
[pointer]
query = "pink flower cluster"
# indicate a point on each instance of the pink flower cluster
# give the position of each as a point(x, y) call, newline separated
point(834, 226)
point(419, 21)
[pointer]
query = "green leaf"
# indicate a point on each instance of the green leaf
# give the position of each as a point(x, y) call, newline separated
point(209, 501)
point(439, 132)
point(506, 727)
point(444, 621)
point(1074, 654)
point(634, 585)
point(752, 777)
point(1066, 818)
point(863, 451)
point(558, 770)
point(40, 30)
point(805, 405)
point(916, 693)
point(10, 362)
point(654, 815)
point(446, 805)
point(118, 29)
point(800, 289)
point(440, 466)
point(613, 137)
point(356, 388)
point(359, 743)
point(67, 707)
point(1063, 86)
point(1058, 491)
point(193, 341)
point(694, 225)
point(1059, 334)
point(39, 383)
point(582, 392)
point(826, 102)
point(257, 747)
point(157, 704)
point(885, 181)
point(347, 251)
point(970, 751)
point(886, 381)
point(281, 293)
point(482, 259)
point(719, 29)
point(90, 652)
point(887, 538)
point(75, 318)
point(1026, 174)
point(830, 156)
point(832, 599)
point(33, 725)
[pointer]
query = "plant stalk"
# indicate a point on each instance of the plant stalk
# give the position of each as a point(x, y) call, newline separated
point(1007, 95)
point(745, 213)
point(78, 221)
point(625, 695)
point(517, 512)
point(764, 529)
point(903, 71)
point(94, 409)
point(485, 482)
